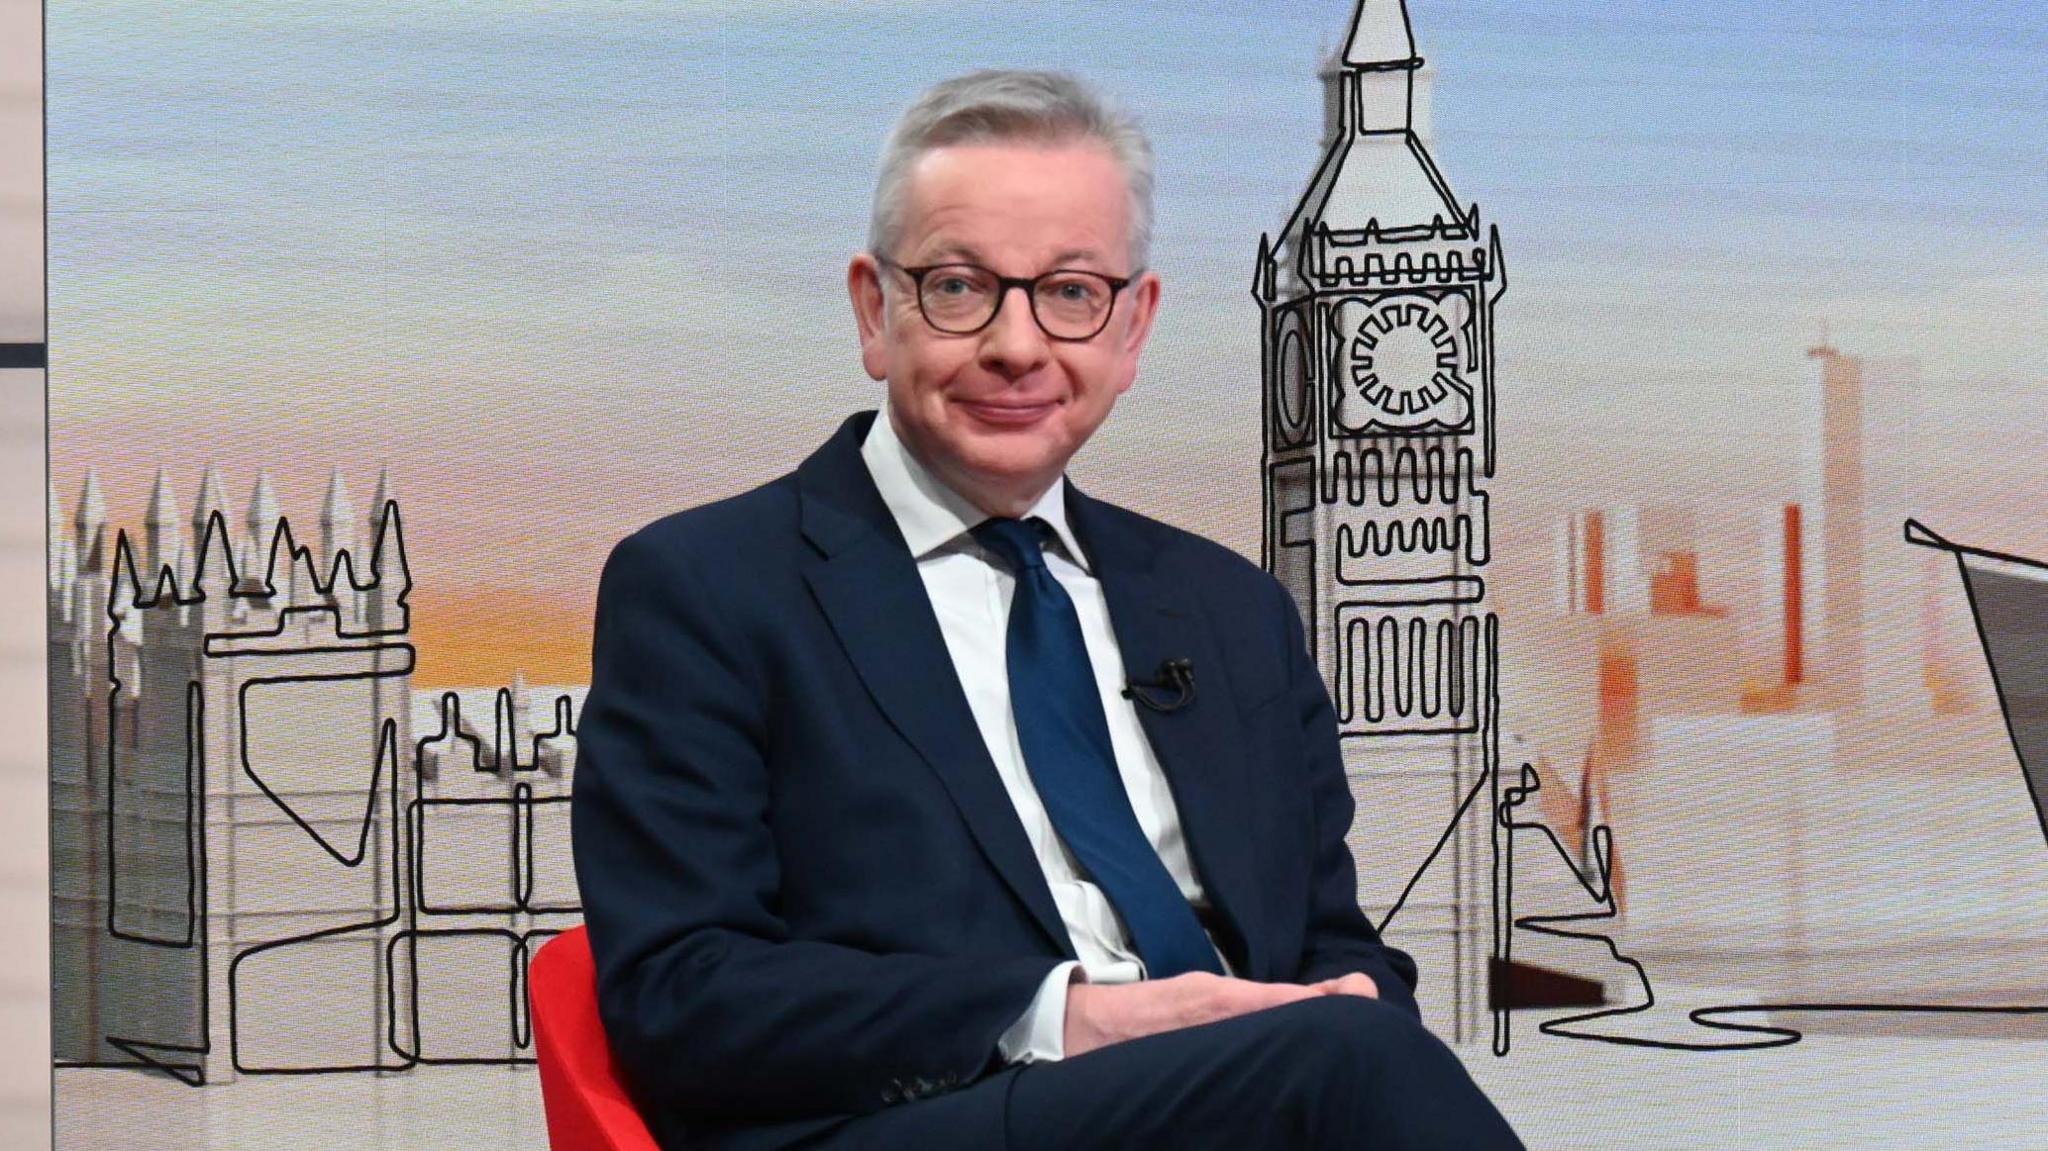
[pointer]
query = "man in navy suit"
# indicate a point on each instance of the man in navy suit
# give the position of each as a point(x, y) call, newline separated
point(876, 849)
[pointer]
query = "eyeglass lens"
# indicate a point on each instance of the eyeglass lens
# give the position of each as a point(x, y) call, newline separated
point(961, 298)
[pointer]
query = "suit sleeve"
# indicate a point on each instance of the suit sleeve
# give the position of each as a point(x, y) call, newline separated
point(1340, 939)
point(708, 1001)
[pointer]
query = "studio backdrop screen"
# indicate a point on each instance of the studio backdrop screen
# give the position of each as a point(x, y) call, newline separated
point(1646, 415)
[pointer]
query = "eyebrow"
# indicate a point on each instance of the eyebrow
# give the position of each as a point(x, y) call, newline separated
point(968, 252)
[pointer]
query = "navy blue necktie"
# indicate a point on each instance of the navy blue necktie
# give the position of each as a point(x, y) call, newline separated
point(1065, 736)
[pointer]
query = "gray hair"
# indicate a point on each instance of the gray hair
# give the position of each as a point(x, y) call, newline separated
point(1002, 105)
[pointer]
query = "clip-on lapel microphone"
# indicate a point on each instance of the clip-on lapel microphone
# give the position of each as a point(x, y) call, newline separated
point(1174, 675)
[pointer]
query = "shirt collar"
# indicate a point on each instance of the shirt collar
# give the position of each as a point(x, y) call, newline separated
point(931, 515)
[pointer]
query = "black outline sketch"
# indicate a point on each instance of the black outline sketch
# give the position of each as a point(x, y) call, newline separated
point(1429, 655)
point(1720, 1017)
point(411, 915)
point(1410, 499)
point(1377, 521)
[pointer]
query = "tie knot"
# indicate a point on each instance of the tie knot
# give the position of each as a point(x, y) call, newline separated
point(1020, 543)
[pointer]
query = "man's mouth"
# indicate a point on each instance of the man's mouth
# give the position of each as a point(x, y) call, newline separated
point(1008, 413)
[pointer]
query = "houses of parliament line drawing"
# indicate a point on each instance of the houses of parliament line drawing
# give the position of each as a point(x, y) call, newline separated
point(256, 865)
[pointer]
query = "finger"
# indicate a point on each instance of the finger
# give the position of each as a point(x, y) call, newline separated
point(1354, 983)
point(1275, 994)
point(1246, 996)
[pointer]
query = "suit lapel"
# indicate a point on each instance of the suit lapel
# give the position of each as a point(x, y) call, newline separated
point(1200, 747)
point(867, 583)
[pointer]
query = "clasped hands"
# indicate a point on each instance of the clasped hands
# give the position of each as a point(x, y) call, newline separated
point(1099, 1014)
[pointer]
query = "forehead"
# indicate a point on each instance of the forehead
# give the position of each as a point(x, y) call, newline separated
point(1018, 206)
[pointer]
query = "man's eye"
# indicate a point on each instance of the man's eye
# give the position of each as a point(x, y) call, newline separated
point(954, 285)
point(1077, 292)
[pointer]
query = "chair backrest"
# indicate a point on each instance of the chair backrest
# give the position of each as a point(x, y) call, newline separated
point(587, 1107)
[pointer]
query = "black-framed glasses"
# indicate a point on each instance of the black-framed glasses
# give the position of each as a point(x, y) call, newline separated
point(961, 299)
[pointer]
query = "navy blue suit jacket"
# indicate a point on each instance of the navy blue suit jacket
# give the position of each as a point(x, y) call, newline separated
point(807, 891)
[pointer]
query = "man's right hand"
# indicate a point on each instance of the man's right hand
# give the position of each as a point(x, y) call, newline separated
point(1099, 1014)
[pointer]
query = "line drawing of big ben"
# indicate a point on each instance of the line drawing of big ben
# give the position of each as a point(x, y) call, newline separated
point(1377, 303)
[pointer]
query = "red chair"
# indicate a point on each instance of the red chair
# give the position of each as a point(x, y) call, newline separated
point(587, 1106)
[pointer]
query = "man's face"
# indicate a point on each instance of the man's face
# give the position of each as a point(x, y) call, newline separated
point(997, 414)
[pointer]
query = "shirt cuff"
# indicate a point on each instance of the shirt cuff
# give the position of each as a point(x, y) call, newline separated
point(1040, 1034)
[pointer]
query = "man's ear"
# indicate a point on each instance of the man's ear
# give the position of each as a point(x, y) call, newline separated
point(870, 313)
point(1144, 305)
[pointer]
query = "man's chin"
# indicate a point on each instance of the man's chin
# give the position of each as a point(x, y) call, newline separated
point(1013, 469)
point(1010, 460)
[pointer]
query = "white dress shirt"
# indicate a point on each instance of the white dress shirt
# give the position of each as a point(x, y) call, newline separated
point(970, 591)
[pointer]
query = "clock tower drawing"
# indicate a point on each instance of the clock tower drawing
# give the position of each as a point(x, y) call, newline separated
point(1377, 303)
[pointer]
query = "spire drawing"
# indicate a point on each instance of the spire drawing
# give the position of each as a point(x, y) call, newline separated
point(161, 523)
point(91, 521)
point(337, 524)
point(263, 513)
point(1381, 38)
point(210, 499)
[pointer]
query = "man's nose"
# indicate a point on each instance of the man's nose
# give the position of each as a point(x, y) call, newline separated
point(1013, 344)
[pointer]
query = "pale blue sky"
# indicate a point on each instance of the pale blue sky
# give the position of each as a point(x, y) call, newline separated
point(610, 240)
point(476, 158)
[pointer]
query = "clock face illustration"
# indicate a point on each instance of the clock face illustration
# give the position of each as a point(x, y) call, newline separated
point(1400, 366)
